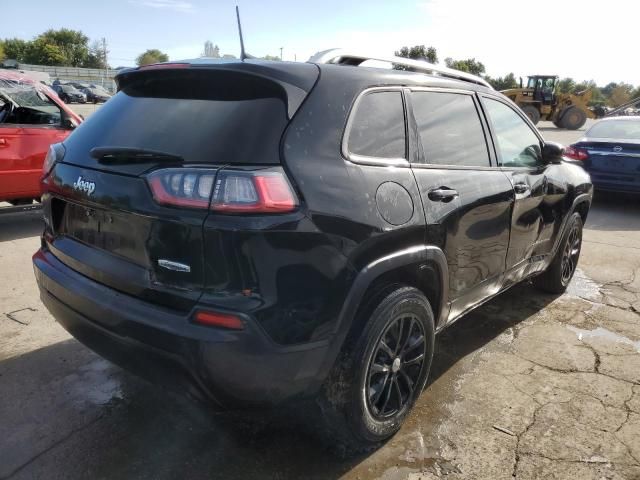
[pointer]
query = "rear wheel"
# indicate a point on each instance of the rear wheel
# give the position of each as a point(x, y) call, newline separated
point(532, 112)
point(573, 118)
point(374, 387)
point(559, 273)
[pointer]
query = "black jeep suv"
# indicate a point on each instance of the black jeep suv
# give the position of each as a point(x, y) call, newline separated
point(257, 232)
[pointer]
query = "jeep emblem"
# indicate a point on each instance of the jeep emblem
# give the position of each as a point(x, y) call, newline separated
point(84, 186)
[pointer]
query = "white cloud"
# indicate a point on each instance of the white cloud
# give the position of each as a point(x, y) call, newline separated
point(175, 5)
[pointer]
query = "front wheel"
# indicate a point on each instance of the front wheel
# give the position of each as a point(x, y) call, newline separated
point(556, 278)
point(374, 387)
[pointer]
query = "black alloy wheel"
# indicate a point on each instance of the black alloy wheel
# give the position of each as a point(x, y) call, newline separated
point(395, 366)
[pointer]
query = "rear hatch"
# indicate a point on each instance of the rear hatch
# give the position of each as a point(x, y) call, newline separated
point(177, 126)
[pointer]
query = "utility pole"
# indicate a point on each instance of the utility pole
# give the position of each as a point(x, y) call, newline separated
point(281, 53)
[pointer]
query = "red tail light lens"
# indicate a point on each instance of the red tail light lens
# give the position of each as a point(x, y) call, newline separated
point(235, 191)
point(576, 153)
point(182, 187)
point(253, 192)
point(217, 319)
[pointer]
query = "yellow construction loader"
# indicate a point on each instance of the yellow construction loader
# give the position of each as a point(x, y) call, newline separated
point(540, 100)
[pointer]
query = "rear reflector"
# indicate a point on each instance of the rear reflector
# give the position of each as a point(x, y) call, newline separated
point(216, 319)
point(576, 153)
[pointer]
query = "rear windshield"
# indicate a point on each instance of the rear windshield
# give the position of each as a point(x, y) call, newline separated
point(203, 116)
point(618, 129)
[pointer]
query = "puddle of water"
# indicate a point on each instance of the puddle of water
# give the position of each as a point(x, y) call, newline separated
point(582, 286)
point(604, 334)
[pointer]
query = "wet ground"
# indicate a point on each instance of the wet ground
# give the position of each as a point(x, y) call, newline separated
point(529, 386)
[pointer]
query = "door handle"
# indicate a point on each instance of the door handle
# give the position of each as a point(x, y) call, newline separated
point(3, 142)
point(442, 194)
point(521, 188)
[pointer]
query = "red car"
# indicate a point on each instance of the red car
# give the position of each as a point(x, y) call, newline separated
point(32, 117)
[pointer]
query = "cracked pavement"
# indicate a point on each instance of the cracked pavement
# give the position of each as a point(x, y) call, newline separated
point(529, 386)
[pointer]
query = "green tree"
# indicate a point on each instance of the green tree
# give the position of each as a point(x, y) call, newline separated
point(73, 44)
point(2, 54)
point(40, 52)
point(419, 52)
point(470, 65)
point(271, 57)
point(210, 50)
point(503, 83)
point(566, 85)
point(153, 55)
point(15, 48)
point(97, 57)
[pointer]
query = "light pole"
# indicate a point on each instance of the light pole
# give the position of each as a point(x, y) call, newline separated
point(281, 54)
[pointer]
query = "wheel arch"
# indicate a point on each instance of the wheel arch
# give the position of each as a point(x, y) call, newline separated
point(423, 267)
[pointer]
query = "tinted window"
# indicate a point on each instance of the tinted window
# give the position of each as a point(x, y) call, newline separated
point(517, 145)
point(450, 129)
point(378, 126)
point(618, 129)
point(203, 116)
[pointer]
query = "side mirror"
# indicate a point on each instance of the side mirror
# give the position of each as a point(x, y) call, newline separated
point(552, 152)
point(69, 123)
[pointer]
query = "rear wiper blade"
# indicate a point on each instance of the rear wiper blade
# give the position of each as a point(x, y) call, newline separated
point(130, 155)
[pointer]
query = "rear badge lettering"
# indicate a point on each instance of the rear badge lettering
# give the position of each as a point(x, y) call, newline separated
point(84, 186)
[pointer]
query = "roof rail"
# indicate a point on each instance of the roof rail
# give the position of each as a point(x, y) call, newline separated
point(341, 56)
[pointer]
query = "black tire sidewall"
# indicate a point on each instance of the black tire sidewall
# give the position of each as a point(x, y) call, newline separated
point(403, 300)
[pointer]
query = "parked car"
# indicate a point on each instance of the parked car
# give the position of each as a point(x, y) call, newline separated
point(69, 93)
point(32, 117)
point(285, 231)
point(610, 152)
point(96, 94)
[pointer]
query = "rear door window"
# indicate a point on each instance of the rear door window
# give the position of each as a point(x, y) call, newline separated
point(517, 144)
point(450, 129)
point(378, 126)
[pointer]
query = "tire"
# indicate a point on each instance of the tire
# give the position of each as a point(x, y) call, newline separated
point(532, 112)
point(558, 275)
point(573, 118)
point(373, 386)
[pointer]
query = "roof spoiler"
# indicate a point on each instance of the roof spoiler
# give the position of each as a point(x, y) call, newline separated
point(339, 56)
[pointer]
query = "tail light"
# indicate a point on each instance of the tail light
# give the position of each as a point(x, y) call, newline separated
point(576, 153)
point(226, 191)
point(54, 154)
point(217, 319)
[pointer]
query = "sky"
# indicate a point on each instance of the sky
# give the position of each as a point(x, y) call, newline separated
point(579, 39)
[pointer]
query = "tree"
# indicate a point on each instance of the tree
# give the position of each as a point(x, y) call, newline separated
point(418, 52)
point(152, 55)
point(228, 56)
point(566, 85)
point(470, 65)
point(620, 95)
point(40, 52)
point(271, 57)
point(503, 83)
point(15, 49)
point(73, 44)
point(210, 50)
point(97, 57)
point(2, 54)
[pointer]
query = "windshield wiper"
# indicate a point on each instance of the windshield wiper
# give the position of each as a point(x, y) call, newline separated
point(130, 155)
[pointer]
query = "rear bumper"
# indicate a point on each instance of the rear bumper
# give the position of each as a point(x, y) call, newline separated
point(232, 368)
point(615, 182)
